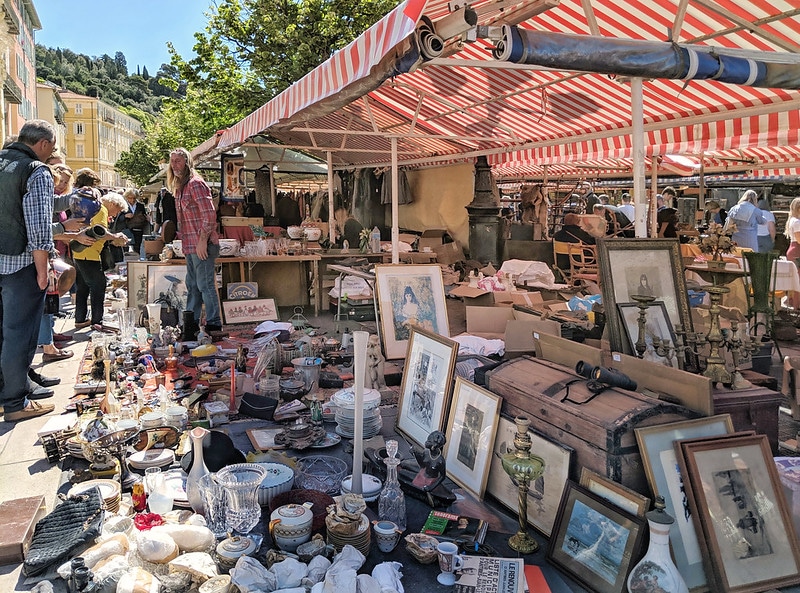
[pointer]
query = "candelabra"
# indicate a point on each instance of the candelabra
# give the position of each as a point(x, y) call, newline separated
point(523, 468)
point(662, 347)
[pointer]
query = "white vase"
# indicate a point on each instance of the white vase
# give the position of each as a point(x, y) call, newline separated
point(197, 471)
point(656, 571)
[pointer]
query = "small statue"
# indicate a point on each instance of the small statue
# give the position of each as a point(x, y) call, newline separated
point(432, 462)
point(375, 365)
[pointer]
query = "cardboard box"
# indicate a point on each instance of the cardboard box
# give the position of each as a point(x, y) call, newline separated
point(431, 238)
point(488, 322)
point(415, 257)
point(18, 518)
point(241, 221)
point(472, 296)
point(508, 298)
point(449, 253)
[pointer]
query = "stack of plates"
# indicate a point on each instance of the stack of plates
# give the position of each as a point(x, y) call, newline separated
point(361, 540)
point(110, 491)
point(344, 400)
point(75, 446)
point(151, 458)
point(175, 481)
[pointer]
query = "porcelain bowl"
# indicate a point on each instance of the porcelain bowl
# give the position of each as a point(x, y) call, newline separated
point(279, 479)
point(295, 232)
point(228, 247)
point(313, 233)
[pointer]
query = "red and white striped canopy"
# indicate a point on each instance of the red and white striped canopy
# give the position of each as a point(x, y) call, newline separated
point(526, 118)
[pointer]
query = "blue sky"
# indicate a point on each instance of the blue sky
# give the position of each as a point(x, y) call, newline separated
point(139, 29)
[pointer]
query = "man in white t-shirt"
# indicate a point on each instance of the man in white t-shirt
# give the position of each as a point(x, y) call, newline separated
point(627, 208)
point(766, 231)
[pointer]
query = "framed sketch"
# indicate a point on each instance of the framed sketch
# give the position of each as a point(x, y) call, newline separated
point(628, 500)
point(137, 285)
point(746, 532)
point(249, 311)
point(594, 541)
point(263, 439)
point(470, 434)
point(233, 186)
point(664, 477)
point(167, 283)
point(641, 266)
point(657, 325)
point(409, 296)
point(427, 379)
point(544, 494)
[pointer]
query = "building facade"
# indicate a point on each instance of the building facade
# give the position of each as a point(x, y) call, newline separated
point(17, 47)
point(96, 135)
point(51, 107)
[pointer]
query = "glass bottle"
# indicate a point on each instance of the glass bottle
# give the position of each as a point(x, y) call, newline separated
point(197, 471)
point(392, 501)
point(656, 571)
point(171, 361)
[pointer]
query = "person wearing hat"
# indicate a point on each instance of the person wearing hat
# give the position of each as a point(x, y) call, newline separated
point(197, 226)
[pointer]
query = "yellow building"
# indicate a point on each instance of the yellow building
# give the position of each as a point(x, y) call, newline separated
point(51, 107)
point(18, 61)
point(97, 134)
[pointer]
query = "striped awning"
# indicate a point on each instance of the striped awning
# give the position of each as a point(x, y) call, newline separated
point(525, 117)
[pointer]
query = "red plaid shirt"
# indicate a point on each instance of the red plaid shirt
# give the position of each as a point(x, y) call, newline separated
point(196, 214)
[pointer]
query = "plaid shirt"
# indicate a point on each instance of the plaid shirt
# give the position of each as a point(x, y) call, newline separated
point(37, 208)
point(196, 213)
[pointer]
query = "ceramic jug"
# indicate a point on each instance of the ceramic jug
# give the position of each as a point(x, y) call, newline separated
point(197, 471)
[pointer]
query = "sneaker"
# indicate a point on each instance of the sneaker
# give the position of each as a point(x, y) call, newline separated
point(32, 410)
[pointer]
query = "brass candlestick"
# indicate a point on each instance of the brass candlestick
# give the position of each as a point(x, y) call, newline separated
point(523, 468)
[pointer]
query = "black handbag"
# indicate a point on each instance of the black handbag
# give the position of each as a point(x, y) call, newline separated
point(257, 406)
point(107, 257)
point(72, 524)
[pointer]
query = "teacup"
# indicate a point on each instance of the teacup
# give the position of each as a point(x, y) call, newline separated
point(387, 534)
point(449, 561)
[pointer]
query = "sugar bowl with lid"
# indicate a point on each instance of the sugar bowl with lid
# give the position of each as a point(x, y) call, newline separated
point(290, 525)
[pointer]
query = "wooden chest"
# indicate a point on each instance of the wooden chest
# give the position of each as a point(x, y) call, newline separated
point(751, 409)
point(600, 430)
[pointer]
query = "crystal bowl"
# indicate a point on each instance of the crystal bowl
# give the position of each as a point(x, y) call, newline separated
point(320, 472)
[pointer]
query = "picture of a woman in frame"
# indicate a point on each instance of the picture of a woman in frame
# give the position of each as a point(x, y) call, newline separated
point(412, 305)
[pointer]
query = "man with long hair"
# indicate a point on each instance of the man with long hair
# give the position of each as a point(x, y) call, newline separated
point(197, 228)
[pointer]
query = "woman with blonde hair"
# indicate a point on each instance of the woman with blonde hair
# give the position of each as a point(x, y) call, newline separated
point(746, 216)
point(792, 231)
point(91, 277)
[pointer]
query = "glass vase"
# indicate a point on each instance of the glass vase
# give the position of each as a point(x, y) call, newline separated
point(197, 471)
point(392, 501)
point(241, 482)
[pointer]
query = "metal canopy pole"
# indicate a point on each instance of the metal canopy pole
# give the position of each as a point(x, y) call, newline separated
point(637, 145)
point(395, 207)
point(331, 219)
point(272, 189)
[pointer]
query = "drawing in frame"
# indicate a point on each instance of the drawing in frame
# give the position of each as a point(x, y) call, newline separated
point(427, 379)
point(657, 325)
point(745, 529)
point(664, 477)
point(409, 296)
point(471, 429)
point(628, 500)
point(168, 284)
point(137, 286)
point(544, 494)
point(594, 541)
point(232, 187)
point(635, 266)
point(249, 311)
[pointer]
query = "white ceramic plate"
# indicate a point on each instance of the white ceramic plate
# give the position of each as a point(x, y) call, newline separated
point(175, 480)
point(109, 489)
point(151, 458)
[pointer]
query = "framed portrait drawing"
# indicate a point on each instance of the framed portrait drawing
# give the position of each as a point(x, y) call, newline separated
point(137, 285)
point(471, 429)
point(544, 494)
point(657, 329)
point(167, 283)
point(233, 186)
point(628, 500)
point(595, 542)
point(665, 479)
point(427, 379)
point(409, 296)
point(249, 311)
point(745, 529)
point(641, 266)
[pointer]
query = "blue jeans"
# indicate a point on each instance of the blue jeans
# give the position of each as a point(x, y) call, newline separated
point(201, 282)
point(45, 330)
point(21, 305)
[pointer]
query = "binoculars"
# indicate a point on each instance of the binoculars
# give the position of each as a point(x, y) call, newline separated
point(605, 377)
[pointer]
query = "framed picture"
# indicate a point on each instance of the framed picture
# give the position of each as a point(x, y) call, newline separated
point(595, 542)
point(427, 378)
point(657, 325)
point(263, 439)
point(167, 283)
point(628, 500)
point(409, 296)
point(641, 266)
point(544, 494)
point(249, 311)
point(470, 434)
point(664, 477)
point(137, 285)
point(233, 186)
point(746, 532)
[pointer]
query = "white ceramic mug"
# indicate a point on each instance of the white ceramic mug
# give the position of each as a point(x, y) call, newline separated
point(387, 534)
point(449, 561)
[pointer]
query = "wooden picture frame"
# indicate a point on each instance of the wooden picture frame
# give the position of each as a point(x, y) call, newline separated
point(249, 311)
point(233, 185)
point(656, 445)
point(168, 282)
point(471, 429)
point(137, 286)
point(623, 264)
point(409, 296)
point(628, 500)
point(263, 439)
point(427, 381)
point(745, 528)
point(596, 543)
point(544, 494)
point(657, 325)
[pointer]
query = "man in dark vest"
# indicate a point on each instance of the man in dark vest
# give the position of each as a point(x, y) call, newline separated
point(26, 240)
